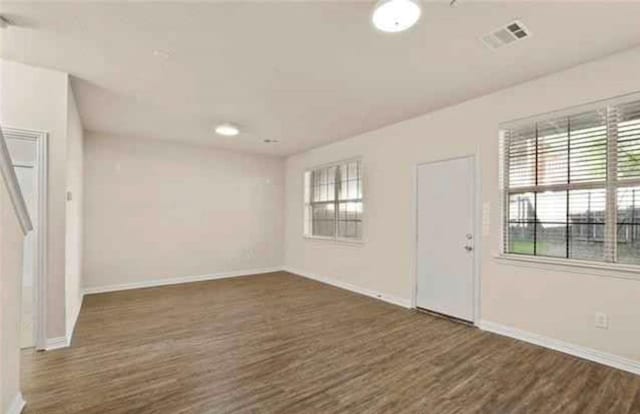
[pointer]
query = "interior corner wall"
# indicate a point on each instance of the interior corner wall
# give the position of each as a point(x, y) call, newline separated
point(157, 210)
point(36, 99)
point(550, 302)
point(73, 213)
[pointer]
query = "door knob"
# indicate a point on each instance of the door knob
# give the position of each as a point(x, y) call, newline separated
point(468, 248)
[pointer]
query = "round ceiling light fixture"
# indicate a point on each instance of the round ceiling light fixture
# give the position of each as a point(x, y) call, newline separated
point(396, 15)
point(227, 130)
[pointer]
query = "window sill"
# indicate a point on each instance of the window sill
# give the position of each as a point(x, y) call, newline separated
point(615, 270)
point(348, 242)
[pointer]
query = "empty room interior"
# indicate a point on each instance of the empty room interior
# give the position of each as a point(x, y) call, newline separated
point(393, 206)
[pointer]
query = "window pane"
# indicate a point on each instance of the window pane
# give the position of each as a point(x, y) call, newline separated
point(629, 205)
point(323, 182)
point(520, 238)
point(331, 182)
point(629, 141)
point(553, 147)
point(548, 237)
point(628, 229)
point(351, 184)
point(586, 242)
point(551, 240)
point(586, 224)
point(587, 206)
point(350, 220)
point(521, 207)
point(353, 171)
point(551, 207)
point(522, 157)
point(344, 190)
point(629, 243)
point(353, 189)
point(588, 147)
point(323, 220)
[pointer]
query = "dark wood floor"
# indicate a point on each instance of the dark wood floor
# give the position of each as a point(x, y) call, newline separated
point(279, 343)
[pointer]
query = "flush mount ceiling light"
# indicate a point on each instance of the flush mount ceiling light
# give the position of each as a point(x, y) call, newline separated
point(162, 54)
point(227, 130)
point(396, 15)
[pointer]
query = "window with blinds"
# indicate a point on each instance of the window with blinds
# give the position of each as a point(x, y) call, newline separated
point(333, 201)
point(571, 185)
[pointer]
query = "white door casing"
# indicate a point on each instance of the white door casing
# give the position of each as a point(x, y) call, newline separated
point(29, 155)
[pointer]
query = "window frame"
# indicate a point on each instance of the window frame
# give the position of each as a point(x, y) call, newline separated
point(611, 185)
point(307, 232)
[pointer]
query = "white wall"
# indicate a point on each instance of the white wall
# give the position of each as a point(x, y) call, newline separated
point(11, 242)
point(36, 99)
point(73, 212)
point(550, 302)
point(156, 210)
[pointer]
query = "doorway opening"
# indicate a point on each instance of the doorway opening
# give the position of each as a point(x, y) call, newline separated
point(28, 151)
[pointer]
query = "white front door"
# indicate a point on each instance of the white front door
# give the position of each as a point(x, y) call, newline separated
point(445, 237)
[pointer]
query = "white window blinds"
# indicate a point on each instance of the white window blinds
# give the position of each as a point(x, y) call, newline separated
point(571, 185)
point(333, 201)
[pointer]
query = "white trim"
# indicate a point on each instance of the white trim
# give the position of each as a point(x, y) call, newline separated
point(177, 280)
point(11, 182)
point(477, 230)
point(613, 270)
point(405, 303)
point(579, 351)
point(337, 240)
point(56, 343)
point(17, 404)
point(23, 165)
point(65, 341)
point(41, 230)
point(76, 314)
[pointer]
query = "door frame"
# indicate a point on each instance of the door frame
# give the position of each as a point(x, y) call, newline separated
point(41, 230)
point(477, 236)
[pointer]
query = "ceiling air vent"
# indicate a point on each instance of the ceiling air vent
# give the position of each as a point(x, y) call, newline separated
point(506, 35)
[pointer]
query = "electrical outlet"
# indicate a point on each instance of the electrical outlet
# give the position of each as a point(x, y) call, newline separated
point(601, 320)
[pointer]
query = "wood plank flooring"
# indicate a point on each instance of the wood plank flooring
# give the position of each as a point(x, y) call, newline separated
point(279, 343)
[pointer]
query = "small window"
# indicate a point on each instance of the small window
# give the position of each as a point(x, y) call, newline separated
point(333, 201)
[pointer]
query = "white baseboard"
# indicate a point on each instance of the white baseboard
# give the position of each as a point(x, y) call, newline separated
point(17, 404)
point(76, 314)
point(405, 303)
point(65, 341)
point(57, 343)
point(600, 357)
point(177, 280)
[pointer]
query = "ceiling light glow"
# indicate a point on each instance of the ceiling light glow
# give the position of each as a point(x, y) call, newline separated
point(162, 54)
point(396, 15)
point(227, 130)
